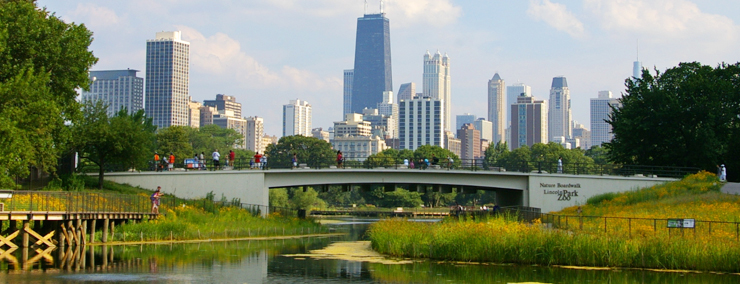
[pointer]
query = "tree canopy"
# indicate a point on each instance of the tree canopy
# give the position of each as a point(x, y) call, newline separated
point(123, 140)
point(308, 150)
point(686, 116)
point(43, 61)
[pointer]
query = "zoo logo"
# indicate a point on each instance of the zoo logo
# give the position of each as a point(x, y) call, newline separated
point(564, 195)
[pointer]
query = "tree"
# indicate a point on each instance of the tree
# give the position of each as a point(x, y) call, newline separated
point(279, 197)
point(599, 154)
point(307, 199)
point(124, 140)
point(174, 139)
point(686, 116)
point(211, 137)
point(494, 154)
point(426, 152)
point(43, 61)
point(309, 150)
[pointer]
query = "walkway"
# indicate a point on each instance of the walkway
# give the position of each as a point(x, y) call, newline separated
point(731, 188)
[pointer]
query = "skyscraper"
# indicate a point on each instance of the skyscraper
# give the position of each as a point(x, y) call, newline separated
point(559, 115)
point(470, 142)
point(420, 123)
point(512, 92)
point(167, 79)
point(436, 82)
point(372, 72)
point(255, 133)
point(297, 118)
point(528, 122)
point(462, 119)
point(407, 91)
point(485, 128)
point(349, 75)
point(637, 69)
point(496, 108)
point(118, 89)
point(601, 131)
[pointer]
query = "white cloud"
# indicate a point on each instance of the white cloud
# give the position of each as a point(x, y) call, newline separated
point(662, 19)
point(94, 16)
point(557, 16)
point(221, 55)
point(402, 12)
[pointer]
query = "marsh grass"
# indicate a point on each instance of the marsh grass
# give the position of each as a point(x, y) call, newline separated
point(624, 243)
point(186, 222)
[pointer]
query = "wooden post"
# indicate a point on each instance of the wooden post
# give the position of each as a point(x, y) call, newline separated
point(92, 231)
point(77, 232)
point(113, 229)
point(106, 223)
point(61, 235)
point(84, 232)
point(24, 233)
point(70, 233)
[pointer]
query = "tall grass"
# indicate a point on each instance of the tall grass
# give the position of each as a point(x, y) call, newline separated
point(187, 222)
point(584, 241)
point(504, 240)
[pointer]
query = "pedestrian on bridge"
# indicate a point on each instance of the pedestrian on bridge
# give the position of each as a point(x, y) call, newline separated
point(722, 173)
point(560, 165)
point(216, 156)
point(171, 165)
point(340, 159)
point(295, 160)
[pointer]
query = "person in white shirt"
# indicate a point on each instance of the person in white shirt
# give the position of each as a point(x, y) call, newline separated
point(216, 156)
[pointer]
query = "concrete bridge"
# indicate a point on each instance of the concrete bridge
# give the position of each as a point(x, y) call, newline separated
point(550, 192)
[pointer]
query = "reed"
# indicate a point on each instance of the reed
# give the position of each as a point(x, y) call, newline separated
point(626, 244)
point(187, 222)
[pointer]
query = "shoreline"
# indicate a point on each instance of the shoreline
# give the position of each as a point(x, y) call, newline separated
point(119, 243)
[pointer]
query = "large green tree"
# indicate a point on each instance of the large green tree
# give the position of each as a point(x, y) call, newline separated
point(124, 140)
point(175, 140)
point(43, 61)
point(211, 137)
point(309, 150)
point(686, 116)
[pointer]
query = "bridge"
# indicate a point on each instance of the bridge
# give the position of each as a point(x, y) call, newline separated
point(550, 192)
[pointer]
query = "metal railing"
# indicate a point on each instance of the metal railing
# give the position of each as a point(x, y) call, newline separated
point(75, 202)
point(635, 226)
point(420, 164)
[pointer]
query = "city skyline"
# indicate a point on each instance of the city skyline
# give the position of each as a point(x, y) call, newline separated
point(301, 48)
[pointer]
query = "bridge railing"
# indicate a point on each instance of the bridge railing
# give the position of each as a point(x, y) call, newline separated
point(74, 202)
point(523, 166)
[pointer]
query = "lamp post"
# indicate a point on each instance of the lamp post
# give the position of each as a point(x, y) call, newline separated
point(539, 166)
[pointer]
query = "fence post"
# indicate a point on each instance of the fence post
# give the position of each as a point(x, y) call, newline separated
point(629, 224)
point(604, 224)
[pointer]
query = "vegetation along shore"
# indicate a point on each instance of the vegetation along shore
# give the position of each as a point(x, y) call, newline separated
point(634, 243)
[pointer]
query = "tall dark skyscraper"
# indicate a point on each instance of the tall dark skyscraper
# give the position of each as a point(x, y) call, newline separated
point(372, 74)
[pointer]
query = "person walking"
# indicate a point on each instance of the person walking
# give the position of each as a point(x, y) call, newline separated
point(264, 161)
point(449, 162)
point(171, 165)
point(722, 173)
point(294, 160)
point(156, 162)
point(216, 156)
point(258, 160)
point(202, 160)
point(155, 200)
point(560, 165)
point(232, 157)
point(340, 159)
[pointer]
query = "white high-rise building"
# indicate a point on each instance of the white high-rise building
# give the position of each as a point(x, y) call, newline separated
point(349, 75)
point(420, 123)
point(512, 92)
point(601, 131)
point(255, 134)
point(637, 69)
point(387, 106)
point(167, 79)
point(496, 109)
point(116, 88)
point(559, 114)
point(297, 118)
point(436, 83)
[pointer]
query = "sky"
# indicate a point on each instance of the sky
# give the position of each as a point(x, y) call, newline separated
point(268, 52)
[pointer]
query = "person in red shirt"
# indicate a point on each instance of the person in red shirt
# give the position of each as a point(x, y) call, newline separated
point(232, 156)
point(258, 160)
point(171, 165)
point(340, 159)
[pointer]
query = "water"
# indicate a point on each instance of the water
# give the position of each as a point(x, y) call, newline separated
point(266, 262)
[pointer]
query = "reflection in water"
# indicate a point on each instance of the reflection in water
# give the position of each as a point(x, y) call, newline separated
point(264, 262)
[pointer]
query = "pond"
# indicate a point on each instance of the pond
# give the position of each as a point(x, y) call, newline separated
point(289, 261)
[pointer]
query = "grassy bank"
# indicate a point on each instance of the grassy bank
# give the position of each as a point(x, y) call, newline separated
point(189, 222)
point(504, 240)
